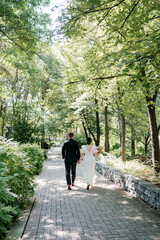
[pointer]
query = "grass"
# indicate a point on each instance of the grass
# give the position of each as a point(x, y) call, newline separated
point(133, 167)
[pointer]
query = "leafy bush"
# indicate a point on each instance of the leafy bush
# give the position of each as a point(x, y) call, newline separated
point(7, 213)
point(18, 164)
point(18, 170)
point(81, 139)
point(9, 208)
point(45, 155)
point(35, 157)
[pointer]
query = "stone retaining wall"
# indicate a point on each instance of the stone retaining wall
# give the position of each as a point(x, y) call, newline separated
point(144, 190)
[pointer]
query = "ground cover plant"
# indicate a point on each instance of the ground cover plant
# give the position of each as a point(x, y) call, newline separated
point(135, 167)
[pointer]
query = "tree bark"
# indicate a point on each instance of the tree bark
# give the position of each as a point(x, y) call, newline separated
point(145, 146)
point(106, 129)
point(147, 141)
point(132, 141)
point(154, 132)
point(151, 101)
point(123, 140)
point(91, 133)
point(85, 129)
point(120, 128)
point(3, 120)
point(89, 130)
point(97, 125)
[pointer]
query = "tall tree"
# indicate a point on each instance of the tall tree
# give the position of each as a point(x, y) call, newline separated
point(134, 46)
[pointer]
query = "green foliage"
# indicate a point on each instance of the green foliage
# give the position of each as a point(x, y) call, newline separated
point(112, 54)
point(134, 167)
point(18, 170)
point(7, 213)
point(8, 204)
point(27, 66)
point(26, 93)
point(18, 164)
point(35, 157)
point(81, 139)
point(22, 24)
point(116, 148)
point(45, 155)
point(23, 122)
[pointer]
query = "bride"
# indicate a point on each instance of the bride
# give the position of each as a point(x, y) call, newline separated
point(89, 152)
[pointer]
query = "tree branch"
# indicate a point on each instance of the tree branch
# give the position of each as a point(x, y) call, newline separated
point(135, 5)
point(98, 23)
point(13, 41)
point(91, 10)
point(122, 35)
point(153, 18)
point(109, 77)
point(100, 78)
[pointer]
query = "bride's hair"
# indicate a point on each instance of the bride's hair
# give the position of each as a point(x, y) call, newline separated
point(89, 140)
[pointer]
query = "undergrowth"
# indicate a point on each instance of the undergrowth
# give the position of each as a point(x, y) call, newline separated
point(132, 167)
point(18, 165)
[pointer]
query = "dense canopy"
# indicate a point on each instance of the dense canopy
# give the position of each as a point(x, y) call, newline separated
point(99, 77)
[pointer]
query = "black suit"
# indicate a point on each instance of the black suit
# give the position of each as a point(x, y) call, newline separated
point(71, 154)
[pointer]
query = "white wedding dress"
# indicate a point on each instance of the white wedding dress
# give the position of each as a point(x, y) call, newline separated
point(89, 164)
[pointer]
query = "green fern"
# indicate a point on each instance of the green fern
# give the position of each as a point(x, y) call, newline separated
point(18, 165)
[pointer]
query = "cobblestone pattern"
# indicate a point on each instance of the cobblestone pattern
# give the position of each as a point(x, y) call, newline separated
point(142, 189)
point(106, 212)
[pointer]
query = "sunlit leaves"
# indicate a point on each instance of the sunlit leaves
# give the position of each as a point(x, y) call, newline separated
point(22, 24)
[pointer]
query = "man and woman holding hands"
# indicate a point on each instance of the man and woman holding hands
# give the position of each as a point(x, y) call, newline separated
point(71, 156)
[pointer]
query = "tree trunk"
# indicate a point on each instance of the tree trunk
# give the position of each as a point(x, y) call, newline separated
point(153, 132)
point(106, 129)
point(151, 101)
point(91, 133)
point(145, 146)
point(123, 140)
point(97, 125)
point(89, 130)
point(3, 124)
point(85, 130)
point(43, 125)
point(120, 128)
point(146, 142)
point(132, 141)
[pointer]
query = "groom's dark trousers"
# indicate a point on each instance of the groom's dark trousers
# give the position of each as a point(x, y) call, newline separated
point(70, 154)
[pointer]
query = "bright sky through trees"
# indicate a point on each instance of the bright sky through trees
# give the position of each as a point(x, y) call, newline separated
point(54, 10)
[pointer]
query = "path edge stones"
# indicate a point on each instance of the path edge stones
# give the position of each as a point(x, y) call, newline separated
point(146, 191)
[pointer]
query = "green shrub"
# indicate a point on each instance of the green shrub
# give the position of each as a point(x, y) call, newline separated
point(81, 139)
point(18, 165)
point(35, 157)
point(16, 183)
point(9, 208)
point(45, 155)
point(7, 214)
point(17, 169)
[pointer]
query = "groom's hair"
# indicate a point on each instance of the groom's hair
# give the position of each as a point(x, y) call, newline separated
point(70, 134)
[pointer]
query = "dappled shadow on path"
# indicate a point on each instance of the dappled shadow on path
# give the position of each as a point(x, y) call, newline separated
point(104, 212)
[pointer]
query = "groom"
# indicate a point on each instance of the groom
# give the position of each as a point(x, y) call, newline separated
point(71, 155)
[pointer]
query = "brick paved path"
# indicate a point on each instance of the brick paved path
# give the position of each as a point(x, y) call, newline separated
point(105, 212)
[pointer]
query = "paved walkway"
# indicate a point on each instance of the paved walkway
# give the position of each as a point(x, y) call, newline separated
point(104, 212)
